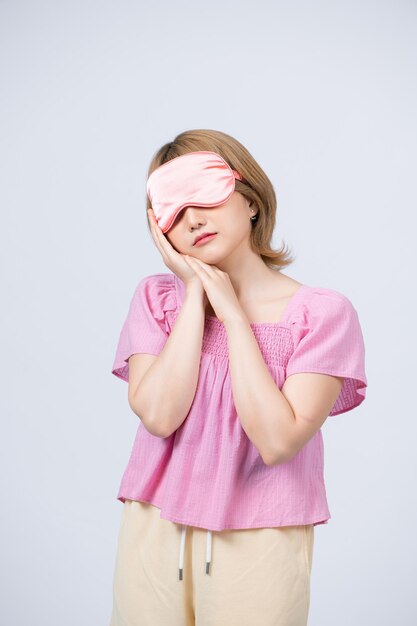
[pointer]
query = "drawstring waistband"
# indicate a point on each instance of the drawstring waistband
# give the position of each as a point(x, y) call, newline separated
point(182, 547)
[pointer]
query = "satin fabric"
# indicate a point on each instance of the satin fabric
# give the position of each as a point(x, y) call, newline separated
point(200, 178)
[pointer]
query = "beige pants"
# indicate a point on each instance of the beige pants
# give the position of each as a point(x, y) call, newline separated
point(257, 576)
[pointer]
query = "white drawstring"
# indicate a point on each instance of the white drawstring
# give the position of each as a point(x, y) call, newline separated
point(208, 551)
point(181, 563)
point(182, 548)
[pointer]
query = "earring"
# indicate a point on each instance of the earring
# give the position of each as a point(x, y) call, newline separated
point(254, 217)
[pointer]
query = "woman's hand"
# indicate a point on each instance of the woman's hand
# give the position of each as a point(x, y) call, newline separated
point(173, 260)
point(219, 289)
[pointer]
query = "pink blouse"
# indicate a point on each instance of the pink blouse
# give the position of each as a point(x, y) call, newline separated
point(208, 473)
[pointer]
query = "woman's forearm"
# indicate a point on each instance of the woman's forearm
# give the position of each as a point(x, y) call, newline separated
point(263, 410)
point(167, 390)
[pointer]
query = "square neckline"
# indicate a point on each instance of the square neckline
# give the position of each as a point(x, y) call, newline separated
point(284, 317)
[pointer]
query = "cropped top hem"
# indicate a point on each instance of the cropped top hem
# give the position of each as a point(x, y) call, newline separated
point(262, 523)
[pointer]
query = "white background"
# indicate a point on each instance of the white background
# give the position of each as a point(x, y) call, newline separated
point(323, 95)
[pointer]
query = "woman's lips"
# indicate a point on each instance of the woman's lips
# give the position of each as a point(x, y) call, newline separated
point(200, 242)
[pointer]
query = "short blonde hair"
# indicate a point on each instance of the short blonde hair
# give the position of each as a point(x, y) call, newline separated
point(257, 188)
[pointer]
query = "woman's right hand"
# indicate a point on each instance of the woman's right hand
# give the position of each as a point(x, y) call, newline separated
point(173, 260)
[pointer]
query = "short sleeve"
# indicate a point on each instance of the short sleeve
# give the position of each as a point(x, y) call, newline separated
point(145, 328)
point(328, 340)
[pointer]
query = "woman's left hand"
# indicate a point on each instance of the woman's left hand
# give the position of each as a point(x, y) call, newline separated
point(219, 289)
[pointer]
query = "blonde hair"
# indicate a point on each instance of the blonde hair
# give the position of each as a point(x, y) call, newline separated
point(257, 188)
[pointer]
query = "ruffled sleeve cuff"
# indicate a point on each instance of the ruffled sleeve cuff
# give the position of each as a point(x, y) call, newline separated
point(145, 328)
point(328, 340)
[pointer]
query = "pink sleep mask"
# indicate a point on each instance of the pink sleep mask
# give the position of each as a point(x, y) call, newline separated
point(199, 178)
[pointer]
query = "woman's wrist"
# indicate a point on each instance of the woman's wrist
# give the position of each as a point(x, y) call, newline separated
point(194, 291)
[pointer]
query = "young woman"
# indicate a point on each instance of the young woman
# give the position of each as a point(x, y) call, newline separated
point(232, 367)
